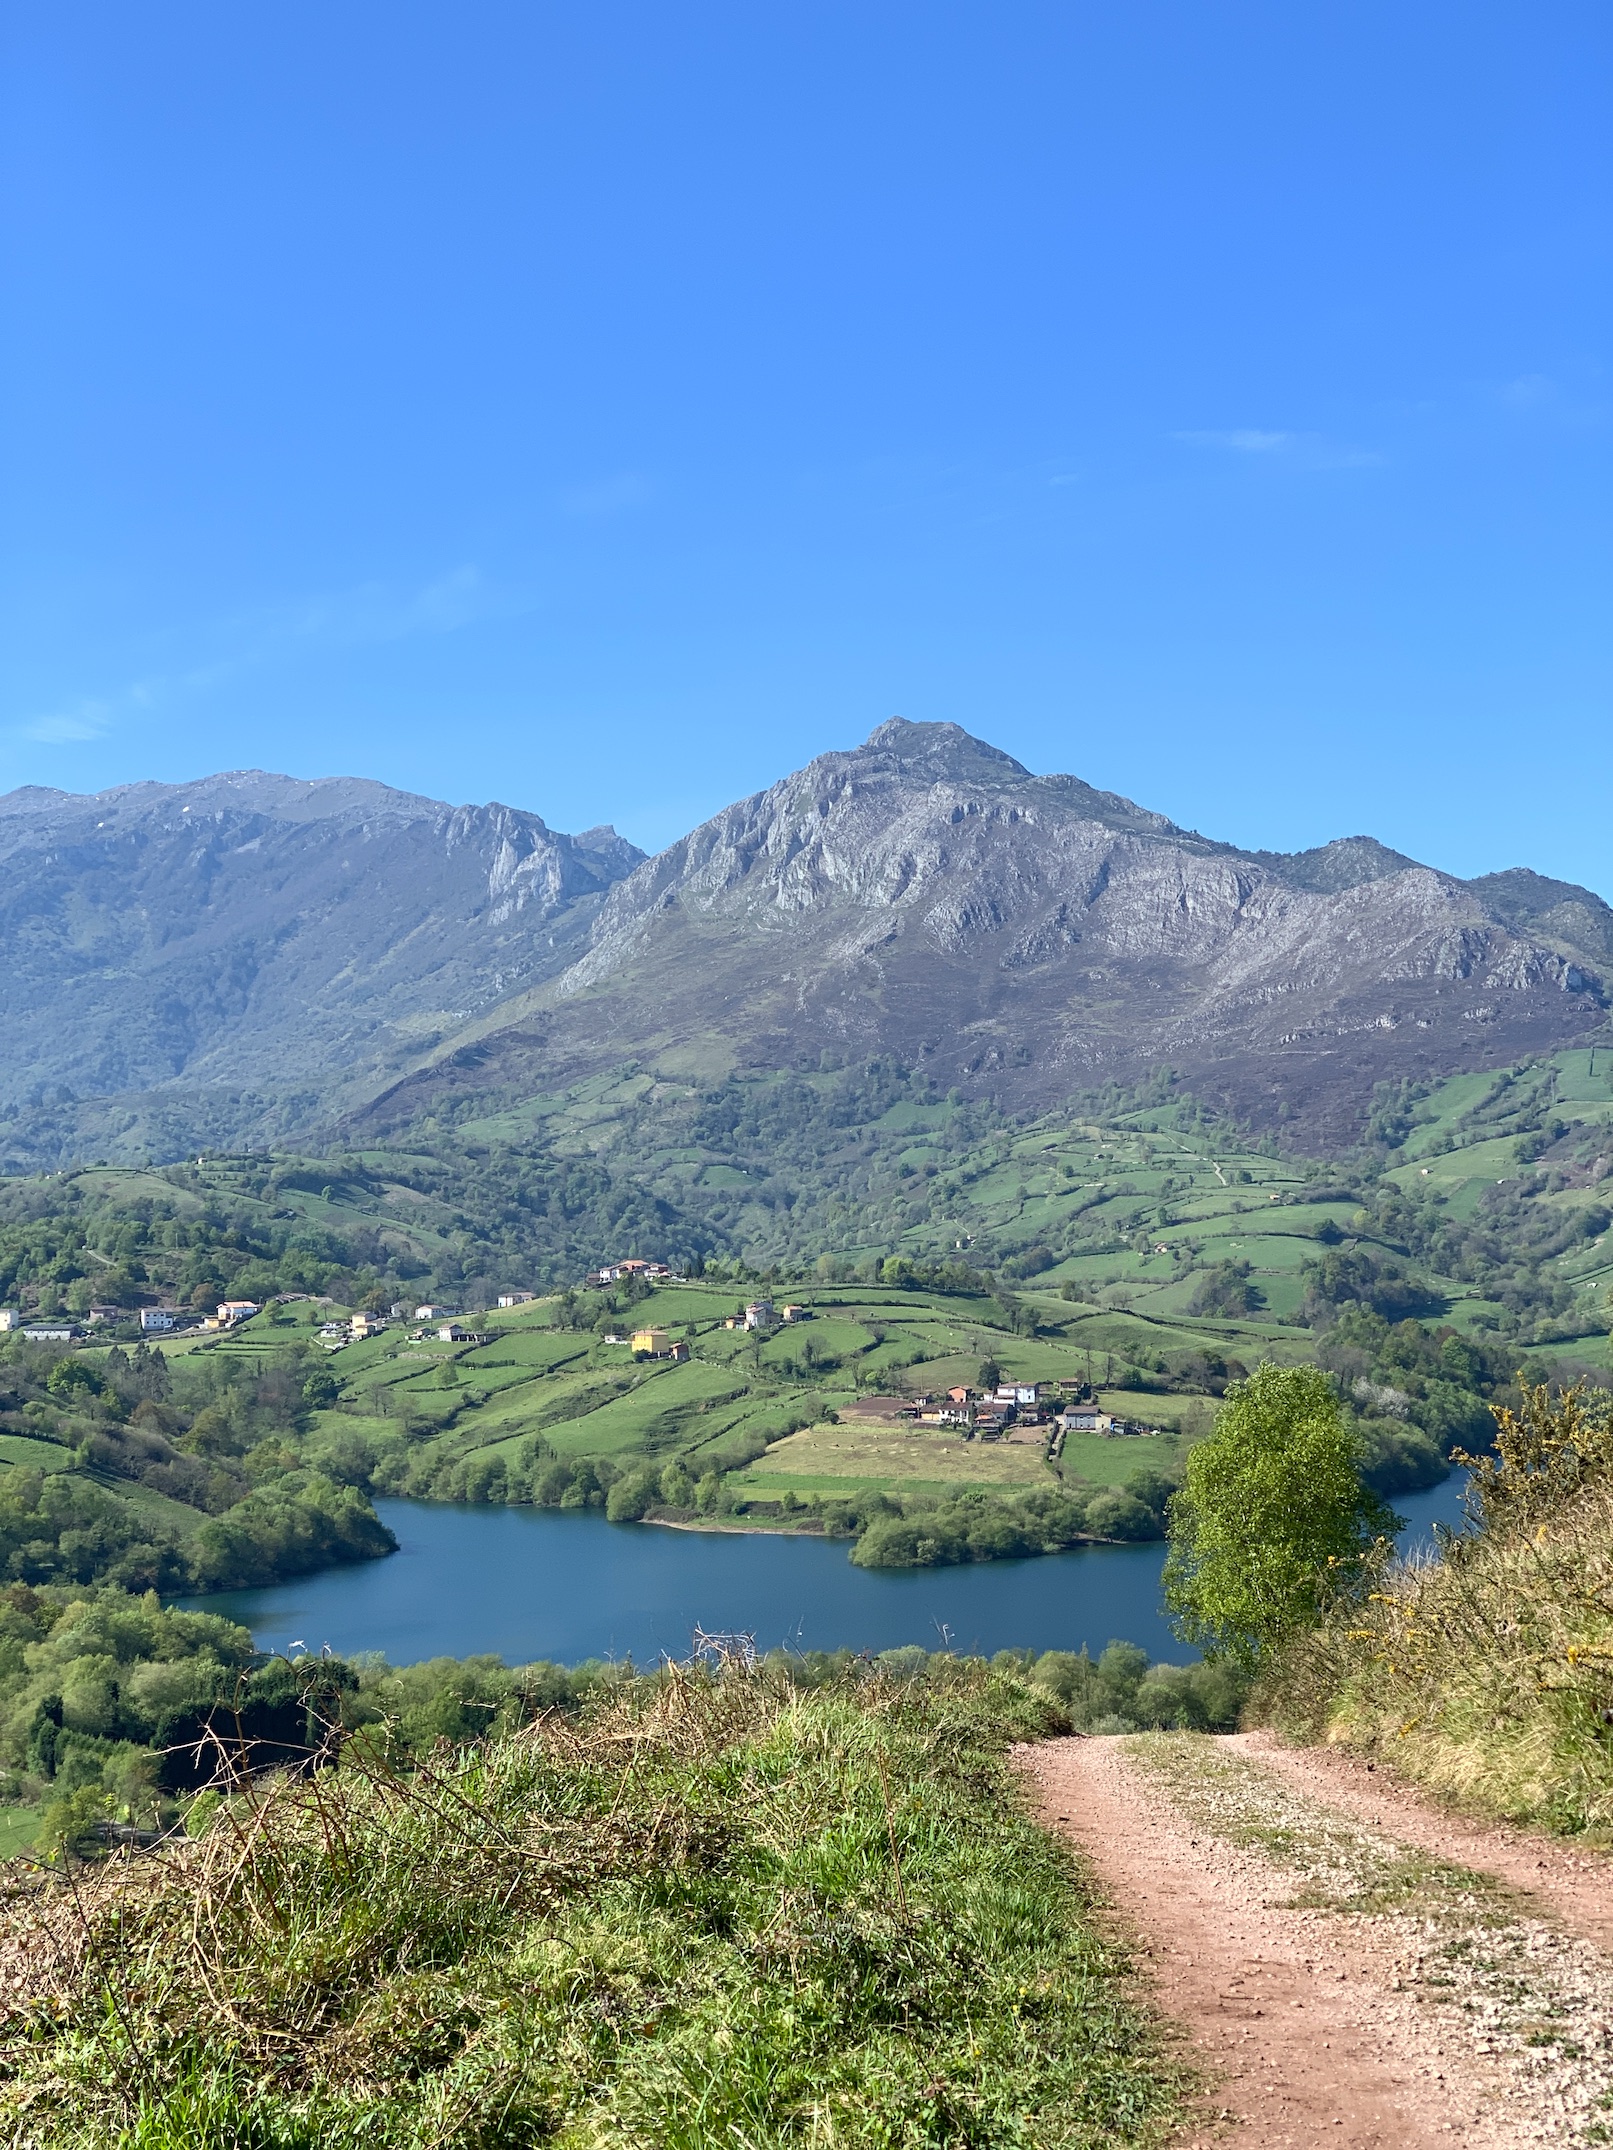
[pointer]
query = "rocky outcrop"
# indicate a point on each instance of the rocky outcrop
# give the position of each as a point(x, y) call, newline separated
point(252, 956)
point(926, 894)
point(254, 933)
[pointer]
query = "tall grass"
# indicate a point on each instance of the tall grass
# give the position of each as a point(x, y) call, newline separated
point(1486, 1670)
point(711, 1910)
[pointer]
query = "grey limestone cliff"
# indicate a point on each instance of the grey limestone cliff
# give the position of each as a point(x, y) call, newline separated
point(248, 952)
point(1029, 935)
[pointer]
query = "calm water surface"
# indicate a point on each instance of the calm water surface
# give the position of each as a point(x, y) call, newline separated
point(531, 1582)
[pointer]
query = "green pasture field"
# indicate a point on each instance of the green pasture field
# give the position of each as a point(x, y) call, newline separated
point(1065, 1203)
point(1491, 1160)
point(26, 1454)
point(19, 1826)
point(175, 1514)
point(1194, 1415)
point(862, 1455)
point(1104, 1461)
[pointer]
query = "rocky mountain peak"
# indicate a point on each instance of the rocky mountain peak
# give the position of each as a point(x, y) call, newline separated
point(1025, 935)
point(253, 954)
point(253, 932)
point(1346, 862)
point(937, 751)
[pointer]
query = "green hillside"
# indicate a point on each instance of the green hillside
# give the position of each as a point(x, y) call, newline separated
point(1134, 1243)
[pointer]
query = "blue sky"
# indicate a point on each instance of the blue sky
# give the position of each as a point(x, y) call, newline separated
point(606, 408)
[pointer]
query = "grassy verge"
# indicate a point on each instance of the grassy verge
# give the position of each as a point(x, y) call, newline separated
point(710, 1909)
point(1487, 1673)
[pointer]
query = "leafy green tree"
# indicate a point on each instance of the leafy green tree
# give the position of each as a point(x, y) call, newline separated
point(1274, 1518)
point(633, 1495)
point(320, 1389)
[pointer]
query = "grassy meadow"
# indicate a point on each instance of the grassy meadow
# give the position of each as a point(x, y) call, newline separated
point(711, 1908)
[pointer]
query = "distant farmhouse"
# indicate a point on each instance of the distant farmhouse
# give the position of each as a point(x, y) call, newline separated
point(657, 1344)
point(625, 1272)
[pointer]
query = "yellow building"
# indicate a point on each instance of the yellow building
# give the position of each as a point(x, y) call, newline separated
point(655, 1341)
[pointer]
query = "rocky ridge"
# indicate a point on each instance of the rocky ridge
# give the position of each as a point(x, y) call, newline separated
point(252, 957)
point(210, 960)
point(1029, 935)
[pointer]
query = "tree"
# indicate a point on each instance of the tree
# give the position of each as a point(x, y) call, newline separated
point(1274, 1518)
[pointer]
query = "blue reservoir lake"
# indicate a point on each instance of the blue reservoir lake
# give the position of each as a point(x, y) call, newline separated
point(525, 1583)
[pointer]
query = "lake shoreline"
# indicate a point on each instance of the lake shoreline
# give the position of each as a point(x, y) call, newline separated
point(528, 1583)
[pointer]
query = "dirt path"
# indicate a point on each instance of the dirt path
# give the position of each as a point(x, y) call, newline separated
point(1338, 1986)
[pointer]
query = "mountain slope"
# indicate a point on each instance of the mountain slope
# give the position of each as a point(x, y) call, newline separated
point(169, 947)
point(1021, 936)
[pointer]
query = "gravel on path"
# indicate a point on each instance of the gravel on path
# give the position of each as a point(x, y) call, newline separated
point(1573, 1881)
point(1293, 1949)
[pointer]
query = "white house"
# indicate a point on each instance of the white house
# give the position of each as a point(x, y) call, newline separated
point(153, 1318)
point(516, 1298)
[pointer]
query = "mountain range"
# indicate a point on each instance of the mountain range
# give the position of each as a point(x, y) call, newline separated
point(252, 957)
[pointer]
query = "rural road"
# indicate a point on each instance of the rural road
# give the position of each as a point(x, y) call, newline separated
point(1347, 1965)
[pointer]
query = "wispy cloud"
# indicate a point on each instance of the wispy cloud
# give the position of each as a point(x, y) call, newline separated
point(1307, 451)
point(68, 727)
point(1243, 440)
point(1529, 391)
point(602, 499)
point(1578, 405)
point(369, 612)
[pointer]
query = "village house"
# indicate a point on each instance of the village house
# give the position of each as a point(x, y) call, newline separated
point(363, 1325)
point(624, 1272)
point(761, 1314)
point(657, 1344)
point(10, 1318)
point(450, 1332)
point(1088, 1418)
point(434, 1313)
point(516, 1298)
point(158, 1318)
point(50, 1332)
point(795, 1313)
point(941, 1411)
point(232, 1311)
